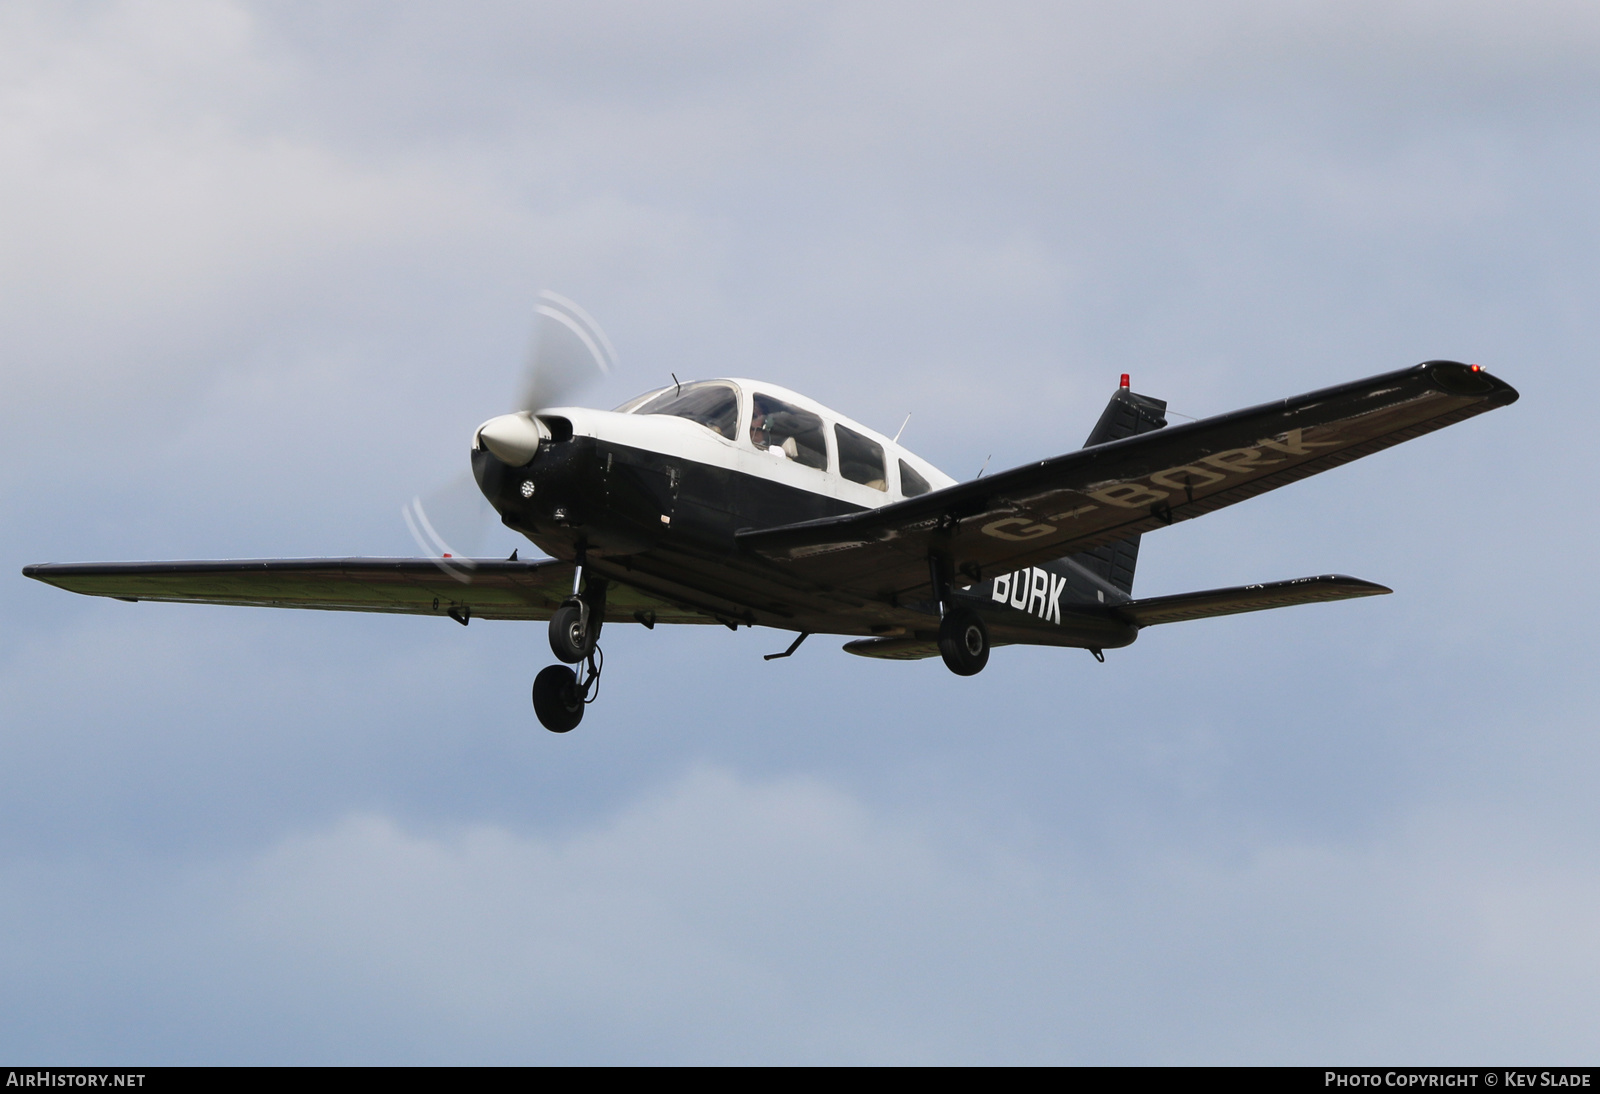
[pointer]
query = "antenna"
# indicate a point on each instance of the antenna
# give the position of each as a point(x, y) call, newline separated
point(677, 387)
point(901, 430)
point(985, 466)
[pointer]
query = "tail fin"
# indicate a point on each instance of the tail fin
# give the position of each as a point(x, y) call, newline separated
point(1126, 415)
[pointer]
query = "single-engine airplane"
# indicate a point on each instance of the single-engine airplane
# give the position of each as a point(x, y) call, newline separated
point(739, 502)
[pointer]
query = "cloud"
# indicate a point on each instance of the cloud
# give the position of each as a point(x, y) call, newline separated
point(724, 919)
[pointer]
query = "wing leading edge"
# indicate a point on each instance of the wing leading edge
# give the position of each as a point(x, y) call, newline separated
point(1098, 495)
point(494, 589)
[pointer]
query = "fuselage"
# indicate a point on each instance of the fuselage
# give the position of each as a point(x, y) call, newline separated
point(654, 492)
point(615, 482)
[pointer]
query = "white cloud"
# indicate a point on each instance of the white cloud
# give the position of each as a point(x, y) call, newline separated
point(721, 919)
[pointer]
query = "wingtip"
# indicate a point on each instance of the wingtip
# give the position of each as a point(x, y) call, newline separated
point(1368, 588)
point(1462, 379)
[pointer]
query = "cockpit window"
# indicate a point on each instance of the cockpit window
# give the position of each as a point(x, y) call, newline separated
point(714, 405)
point(860, 458)
point(911, 483)
point(788, 431)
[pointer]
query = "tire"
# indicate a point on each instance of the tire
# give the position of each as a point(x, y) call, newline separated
point(556, 699)
point(963, 642)
point(570, 640)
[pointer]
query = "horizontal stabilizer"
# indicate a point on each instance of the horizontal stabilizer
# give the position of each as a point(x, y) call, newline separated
point(1245, 598)
point(894, 649)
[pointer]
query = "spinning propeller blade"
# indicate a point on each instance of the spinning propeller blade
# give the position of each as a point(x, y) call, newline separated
point(569, 352)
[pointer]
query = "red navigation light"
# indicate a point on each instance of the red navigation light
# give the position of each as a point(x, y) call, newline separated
point(447, 554)
point(1477, 368)
point(1124, 379)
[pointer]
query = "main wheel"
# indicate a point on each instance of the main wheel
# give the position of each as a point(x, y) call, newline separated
point(570, 640)
point(963, 642)
point(557, 700)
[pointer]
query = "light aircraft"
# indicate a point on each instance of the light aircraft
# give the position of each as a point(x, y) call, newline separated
point(739, 502)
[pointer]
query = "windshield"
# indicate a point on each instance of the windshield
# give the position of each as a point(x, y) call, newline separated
point(711, 403)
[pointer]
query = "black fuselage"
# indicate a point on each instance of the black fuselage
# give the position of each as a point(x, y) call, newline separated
point(668, 525)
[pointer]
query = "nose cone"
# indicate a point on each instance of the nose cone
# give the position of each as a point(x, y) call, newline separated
point(512, 438)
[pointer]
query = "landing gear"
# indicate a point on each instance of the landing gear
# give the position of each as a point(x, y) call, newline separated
point(575, 626)
point(557, 700)
point(963, 641)
point(574, 631)
point(963, 638)
point(559, 695)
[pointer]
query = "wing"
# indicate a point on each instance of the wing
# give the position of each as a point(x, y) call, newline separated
point(1097, 495)
point(487, 589)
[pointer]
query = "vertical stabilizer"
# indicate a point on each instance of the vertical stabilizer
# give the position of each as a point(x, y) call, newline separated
point(1126, 415)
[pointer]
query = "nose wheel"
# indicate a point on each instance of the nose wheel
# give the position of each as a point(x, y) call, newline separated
point(560, 694)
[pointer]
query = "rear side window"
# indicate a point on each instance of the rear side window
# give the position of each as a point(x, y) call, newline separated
point(713, 405)
point(860, 458)
point(788, 431)
point(911, 483)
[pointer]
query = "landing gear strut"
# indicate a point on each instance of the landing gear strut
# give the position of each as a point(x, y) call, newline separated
point(963, 637)
point(560, 693)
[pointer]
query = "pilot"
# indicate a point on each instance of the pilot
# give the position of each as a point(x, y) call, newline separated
point(761, 437)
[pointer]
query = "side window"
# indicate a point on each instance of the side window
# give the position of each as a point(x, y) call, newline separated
point(911, 483)
point(713, 405)
point(860, 458)
point(788, 431)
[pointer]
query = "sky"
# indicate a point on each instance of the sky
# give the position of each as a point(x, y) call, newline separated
point(263, 267)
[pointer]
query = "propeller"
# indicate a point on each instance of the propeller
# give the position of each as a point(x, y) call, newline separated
point(569, 352)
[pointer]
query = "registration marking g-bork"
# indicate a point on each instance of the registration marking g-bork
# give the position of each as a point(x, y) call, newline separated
point(1032, 590)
